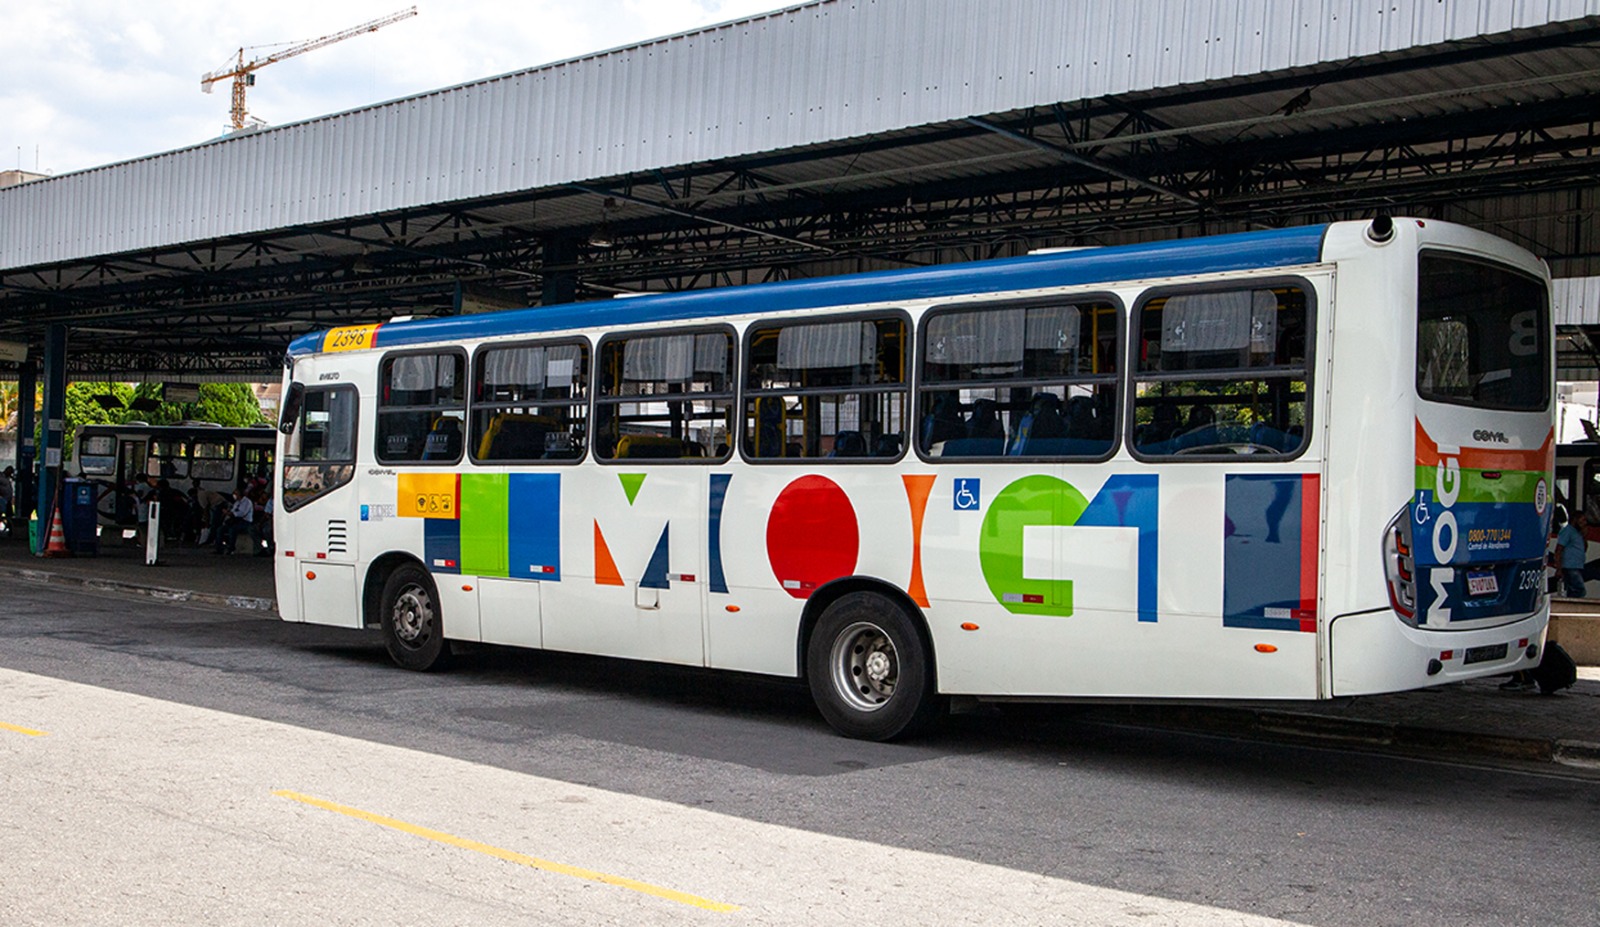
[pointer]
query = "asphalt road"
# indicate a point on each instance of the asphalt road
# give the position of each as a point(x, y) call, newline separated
point(166, 764)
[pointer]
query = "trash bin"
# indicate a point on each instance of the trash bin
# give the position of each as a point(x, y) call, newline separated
point(79, 517)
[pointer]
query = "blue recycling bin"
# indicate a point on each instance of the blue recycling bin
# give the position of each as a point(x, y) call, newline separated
point(79, 516)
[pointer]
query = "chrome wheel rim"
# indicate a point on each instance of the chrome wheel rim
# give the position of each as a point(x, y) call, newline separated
point(412, 615)
point(866, 666)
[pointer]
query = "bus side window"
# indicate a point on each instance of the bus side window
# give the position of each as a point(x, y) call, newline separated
point(530, 402)
point(1030, 381)
point(1222, 372)
point(421, 407)
point(834, 389)
point(665, 397)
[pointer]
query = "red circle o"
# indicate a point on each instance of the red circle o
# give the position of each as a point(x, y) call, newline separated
point(812, 536)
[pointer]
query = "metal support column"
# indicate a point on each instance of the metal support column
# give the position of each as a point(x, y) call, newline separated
point(560, 285)
point(55, 413)
point(27, 393)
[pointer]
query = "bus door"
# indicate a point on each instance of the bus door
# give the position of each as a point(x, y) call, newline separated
point(319, 510)
point(132, 454)
point(254, 460)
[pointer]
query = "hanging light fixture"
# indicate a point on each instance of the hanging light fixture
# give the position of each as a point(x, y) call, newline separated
point(601, 237)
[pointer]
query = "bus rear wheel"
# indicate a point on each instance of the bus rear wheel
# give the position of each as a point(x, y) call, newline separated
point(869, 671)
point(412, 629)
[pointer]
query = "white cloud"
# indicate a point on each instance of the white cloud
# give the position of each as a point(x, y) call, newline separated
point(91, 82)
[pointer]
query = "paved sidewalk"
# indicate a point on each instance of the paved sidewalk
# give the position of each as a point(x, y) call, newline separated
point(1469, 719)
point(191, 574)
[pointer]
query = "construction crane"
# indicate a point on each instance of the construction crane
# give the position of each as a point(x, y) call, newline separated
point(243, 72)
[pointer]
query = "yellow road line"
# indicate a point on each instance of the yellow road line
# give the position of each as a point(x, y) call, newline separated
point(508, 855)
point(23, 730)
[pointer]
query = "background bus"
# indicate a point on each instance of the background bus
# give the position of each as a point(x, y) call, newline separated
point(1578, 489)
point(116, 457)
point(1191, 469)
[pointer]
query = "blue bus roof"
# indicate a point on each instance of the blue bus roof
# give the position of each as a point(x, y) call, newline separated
point(1182, 257)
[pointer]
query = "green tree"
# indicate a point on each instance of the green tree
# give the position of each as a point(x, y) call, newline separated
point(83, 409)
point(232, 405)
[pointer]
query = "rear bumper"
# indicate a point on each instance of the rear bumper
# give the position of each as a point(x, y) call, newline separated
point(1375, 652)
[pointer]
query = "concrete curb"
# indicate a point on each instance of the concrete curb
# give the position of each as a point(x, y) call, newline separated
point(162, 593)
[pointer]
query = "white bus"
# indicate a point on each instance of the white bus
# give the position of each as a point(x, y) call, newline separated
point(1295, 464)
point(1577, 489)
point(117, 456)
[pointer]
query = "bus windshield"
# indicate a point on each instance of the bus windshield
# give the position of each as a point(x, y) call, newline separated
point(1482, 335)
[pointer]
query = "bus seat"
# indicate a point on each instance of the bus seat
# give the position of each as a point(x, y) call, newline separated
point(1081, 421)
point(1267, 436)
point(848, 444)
point(1042, 421)
point(985, 420)
point(974, 447)
point(444, 440)
point(514, 436)
point(886, 446)
point(655, 447)
point(1064, 447)
point(1163, 424)
point(944, 422)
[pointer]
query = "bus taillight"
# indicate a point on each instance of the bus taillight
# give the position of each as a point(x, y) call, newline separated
point(1399, 565)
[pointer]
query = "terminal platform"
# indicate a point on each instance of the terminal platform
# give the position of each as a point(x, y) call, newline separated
point(1460, 720)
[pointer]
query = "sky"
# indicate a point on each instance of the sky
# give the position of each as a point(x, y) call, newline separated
point(85, 83)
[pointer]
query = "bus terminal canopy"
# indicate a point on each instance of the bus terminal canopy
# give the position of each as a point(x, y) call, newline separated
point(826, 138)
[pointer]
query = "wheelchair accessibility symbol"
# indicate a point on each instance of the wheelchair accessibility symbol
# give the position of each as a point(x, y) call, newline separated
point(966, 495)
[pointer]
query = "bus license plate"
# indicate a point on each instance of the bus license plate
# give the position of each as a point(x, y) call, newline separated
point(1485, 653)
point(1482, 584)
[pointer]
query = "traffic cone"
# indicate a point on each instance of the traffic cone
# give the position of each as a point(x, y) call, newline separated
point(58, 538)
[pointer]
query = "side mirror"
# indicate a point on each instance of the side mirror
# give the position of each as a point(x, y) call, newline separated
point(289, 409)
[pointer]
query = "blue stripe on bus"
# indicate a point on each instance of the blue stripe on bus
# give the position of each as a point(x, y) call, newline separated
point(441, 544)
point(1220, 253)
point(655, 572)
point(1133, 501)
point(1261, 551)
point(534, 536)
point(719, 495)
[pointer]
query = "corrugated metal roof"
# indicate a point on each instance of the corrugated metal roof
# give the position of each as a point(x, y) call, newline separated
point(823, 71)
point(1576, 300)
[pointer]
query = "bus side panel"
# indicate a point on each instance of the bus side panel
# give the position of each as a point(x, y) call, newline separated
point(328, 594)
point(783, 533)
point(286, 581)
point(1124, 626)
point(752, 621)
point(632, 540)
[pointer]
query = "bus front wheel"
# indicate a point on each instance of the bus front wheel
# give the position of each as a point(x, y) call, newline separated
point(412, 630)
point(869, 671)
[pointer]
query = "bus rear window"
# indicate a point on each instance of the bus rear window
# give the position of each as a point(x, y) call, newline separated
point(1482, 335)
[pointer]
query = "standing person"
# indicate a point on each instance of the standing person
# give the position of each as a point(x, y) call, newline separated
point(212, 509)
point(1572, 551)
point(143, 491)
point(261, 528)
point(239, 518)
point(8, 492)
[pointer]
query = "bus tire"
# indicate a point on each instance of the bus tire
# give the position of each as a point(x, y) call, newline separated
point(413, 632)
point(869, 670)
